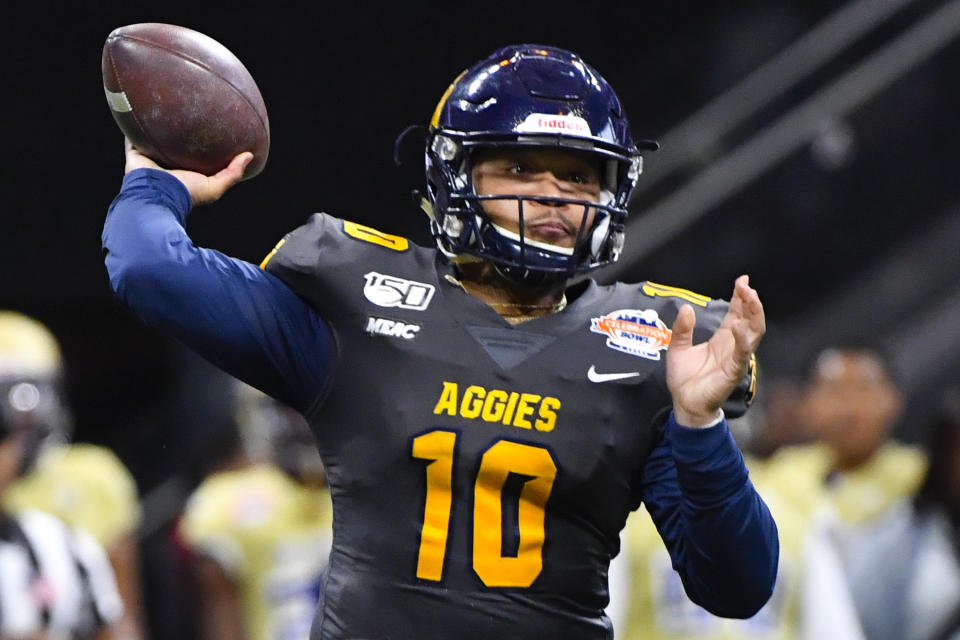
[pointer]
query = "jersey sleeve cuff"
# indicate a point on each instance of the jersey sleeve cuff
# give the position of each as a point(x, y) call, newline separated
point(161, 186)
point(720, 418)
point(710, 467)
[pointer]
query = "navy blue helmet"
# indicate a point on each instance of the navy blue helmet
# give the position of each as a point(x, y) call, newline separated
point(529, 96)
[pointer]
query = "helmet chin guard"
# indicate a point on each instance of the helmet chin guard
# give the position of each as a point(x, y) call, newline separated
point(529, 96)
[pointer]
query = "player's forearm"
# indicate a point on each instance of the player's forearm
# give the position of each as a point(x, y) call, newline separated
point(231, 312)
point(148, 254)
point(718, 530)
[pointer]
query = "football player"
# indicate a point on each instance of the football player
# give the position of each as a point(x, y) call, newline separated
point(850, 400)
point(85, 485)
point(55, 581)
point(260, 529)
point(486, 420)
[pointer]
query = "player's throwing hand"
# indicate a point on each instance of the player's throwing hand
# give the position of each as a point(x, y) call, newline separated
point(203, 189)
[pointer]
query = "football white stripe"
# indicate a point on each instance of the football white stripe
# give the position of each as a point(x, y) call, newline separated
point(118, 101)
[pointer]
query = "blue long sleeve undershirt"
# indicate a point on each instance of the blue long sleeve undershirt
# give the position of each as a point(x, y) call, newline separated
point(720, 535)
point(233, 313)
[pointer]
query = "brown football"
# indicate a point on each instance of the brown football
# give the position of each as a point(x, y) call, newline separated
point(183, 99)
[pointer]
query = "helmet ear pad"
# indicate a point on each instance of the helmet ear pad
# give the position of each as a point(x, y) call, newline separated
point(451, 217)
point(599, 235)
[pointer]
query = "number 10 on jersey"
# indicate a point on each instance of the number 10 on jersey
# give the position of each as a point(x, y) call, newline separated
point(497, 463)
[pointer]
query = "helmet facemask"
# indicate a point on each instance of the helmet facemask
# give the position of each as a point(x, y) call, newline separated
point(464, 229)
point(35, 406)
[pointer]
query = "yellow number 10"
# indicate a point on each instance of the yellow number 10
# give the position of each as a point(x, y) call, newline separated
point(496, 465)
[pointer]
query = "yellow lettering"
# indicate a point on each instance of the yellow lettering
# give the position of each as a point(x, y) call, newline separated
point(524, 409)
point(500, 460)
point(548, 414)
point(511, 408)
point(437, 447)
point(494, 406)
point(511, 405)
point(472, 401)
point(369, 234)
point(448, 400)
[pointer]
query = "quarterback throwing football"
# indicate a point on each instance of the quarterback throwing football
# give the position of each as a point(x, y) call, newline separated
point(486, 419)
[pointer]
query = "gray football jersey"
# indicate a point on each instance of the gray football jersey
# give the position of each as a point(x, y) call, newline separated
point(480, 472)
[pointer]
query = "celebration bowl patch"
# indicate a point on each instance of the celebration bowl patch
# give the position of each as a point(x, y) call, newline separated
point(639, 333)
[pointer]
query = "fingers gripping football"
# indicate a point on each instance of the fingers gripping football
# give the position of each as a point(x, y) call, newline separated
point(203, 189)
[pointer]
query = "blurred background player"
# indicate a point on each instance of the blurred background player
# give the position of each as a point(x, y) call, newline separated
point(909, 575)
point(811, 599)
point(85, 485)
point(260, 528)
point(55, 582)
point(850, 402)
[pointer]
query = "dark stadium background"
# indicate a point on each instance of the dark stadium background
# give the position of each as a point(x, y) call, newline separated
point(840, 199)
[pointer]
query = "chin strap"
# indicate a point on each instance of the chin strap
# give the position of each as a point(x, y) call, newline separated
point(421, 200)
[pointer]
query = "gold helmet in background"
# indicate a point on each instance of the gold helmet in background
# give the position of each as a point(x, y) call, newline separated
point(31, 376)
point(274, 432)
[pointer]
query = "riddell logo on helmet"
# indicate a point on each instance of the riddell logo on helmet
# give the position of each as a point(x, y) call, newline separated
point(547, 123)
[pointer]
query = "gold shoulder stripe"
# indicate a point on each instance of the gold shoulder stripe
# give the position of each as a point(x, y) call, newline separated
point(653, 289)
point(752, 389)
point(273, 252)
point(368, 234)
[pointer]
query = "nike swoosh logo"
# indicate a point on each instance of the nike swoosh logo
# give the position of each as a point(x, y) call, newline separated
point(593, 376)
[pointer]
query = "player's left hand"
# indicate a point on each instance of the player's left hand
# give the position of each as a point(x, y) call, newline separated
point(702, 376)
